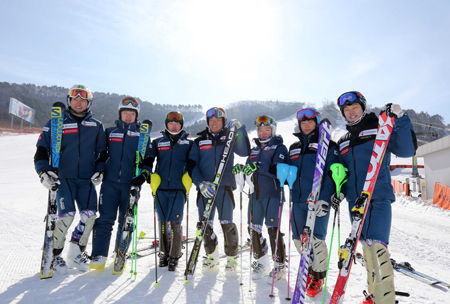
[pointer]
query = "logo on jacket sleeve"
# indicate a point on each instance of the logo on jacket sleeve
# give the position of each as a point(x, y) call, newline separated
point(205, 144)
point(254, 154)
point(294, 154)
point(116, 137)
point(164, 146)
point(344, 147)
point(70, 128)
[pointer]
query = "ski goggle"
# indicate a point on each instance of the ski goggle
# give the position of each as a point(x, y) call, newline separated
point(74, 93)
point(132, 101)
point(307, 112)
point(216, 112)
point(264, 120)
point(174, 116)
point(349, 98)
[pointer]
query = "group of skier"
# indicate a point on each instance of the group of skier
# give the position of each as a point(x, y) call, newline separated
point(91, 156)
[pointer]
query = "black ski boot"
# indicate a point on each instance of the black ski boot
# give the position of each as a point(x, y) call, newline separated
point(163, 259)
point(173, 263)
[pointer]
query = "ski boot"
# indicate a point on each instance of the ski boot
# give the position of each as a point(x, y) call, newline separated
point(59, 265)
point(314, 287)
point(98, 262)
point(77, 258)
point(211, 260)
point(163, 259)
point(368, 298)
point(230, 267)
point(173, 263)
point(279, 271)
point(261, 267)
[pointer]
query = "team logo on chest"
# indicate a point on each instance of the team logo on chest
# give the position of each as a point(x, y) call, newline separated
point(89, 123)
point(344, 147)
point(70, 128)
point(133, 134)
point(116, 137)
point(164, 146)
point(254, 154)
point(205, 144)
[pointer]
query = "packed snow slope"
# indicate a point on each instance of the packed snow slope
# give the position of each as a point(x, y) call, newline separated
point(420, 235)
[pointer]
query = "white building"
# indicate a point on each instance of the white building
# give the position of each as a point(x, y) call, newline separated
point(436, 156)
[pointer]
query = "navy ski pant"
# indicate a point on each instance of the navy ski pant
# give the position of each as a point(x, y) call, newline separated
point(298, 221)
point(265, 208)
point(170, 205)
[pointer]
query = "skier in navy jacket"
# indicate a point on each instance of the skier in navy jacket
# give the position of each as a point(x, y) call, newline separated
point(118, 177)
point(355, 151)
point(302, 154)
point(172, 152)
point(206, 153)
point(261, 164)
point(83, 140)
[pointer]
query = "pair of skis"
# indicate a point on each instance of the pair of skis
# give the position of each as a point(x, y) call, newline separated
point(409, 271)
point(230, 138)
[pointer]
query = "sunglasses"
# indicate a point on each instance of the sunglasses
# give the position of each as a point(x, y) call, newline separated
point(216, 112)
point(74, 93)
point(264, 120)
point(307, 112)
point(349, 98)
point(174, 116)
point(127, 101)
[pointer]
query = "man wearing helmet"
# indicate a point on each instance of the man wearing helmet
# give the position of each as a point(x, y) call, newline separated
point(355, 149)
point(261, 164)
point(172, 151)
point(82, 142)
point(302, 154)
point(119, 175)
point(206, 153)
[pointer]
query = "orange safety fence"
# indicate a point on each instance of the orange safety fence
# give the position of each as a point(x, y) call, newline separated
point(400, 187)
point(441, 196)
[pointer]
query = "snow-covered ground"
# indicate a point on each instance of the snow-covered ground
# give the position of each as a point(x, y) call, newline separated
point(420, 235)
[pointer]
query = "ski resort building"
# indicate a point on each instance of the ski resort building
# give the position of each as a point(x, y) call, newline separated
point(436, 156)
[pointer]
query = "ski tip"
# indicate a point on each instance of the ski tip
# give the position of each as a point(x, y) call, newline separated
point(59, 104)
point(148, 121)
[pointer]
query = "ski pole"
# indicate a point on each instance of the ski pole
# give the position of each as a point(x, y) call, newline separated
point(251, 189)
point(339, 174)
point(240, 182)
point(187, 182)
point(282, 173)
point(292, 176)
point(155, 181)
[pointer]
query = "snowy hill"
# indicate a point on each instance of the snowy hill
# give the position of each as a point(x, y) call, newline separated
point(420, 235)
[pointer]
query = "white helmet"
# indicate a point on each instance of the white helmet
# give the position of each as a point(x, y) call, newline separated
point(81, 91)
point(129, 103)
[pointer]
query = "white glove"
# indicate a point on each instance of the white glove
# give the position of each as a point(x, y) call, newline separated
point(233, 123)
point(97, 178)
point(392, 110)
point(207, 189)
point(49, 179)
point(322, 208)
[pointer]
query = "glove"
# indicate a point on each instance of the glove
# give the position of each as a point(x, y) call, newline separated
point(322, 208)
point(49, 179)
point(233, 123)
point(335, 201)
point(207, 189)
point(97, 178)
point(140, 179)
point(392, 110)
point(237, 168)
point(251, 168)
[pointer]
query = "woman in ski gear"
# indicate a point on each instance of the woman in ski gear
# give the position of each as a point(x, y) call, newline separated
point(261, 165)
point(355, 152)
point(171, 151)
point(302, 154)
point(83, 139)
point(206, 153)
point(118, 176)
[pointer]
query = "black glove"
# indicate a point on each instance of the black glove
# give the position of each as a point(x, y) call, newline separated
point(336, 201)
point(237, 168)
point(140, 179)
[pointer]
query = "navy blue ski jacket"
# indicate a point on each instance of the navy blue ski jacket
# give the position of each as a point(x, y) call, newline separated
point(265, 179)
point(82, 142)
point(355, 151)
point(302, 154)
point(172, 162)
point(207, 150)
point(123, 142)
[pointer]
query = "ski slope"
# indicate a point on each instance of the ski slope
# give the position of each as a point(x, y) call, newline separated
point(420, 235)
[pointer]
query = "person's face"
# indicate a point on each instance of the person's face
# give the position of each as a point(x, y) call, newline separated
point(215, 124)
point(78, 105)
point(307, 126)
point(128, 116)
point(264, 131)
point(353, 112)
point(173, 126)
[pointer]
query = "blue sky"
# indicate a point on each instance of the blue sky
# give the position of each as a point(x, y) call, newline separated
point(214, 53)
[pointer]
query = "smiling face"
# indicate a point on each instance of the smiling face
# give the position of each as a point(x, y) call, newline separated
point(353, 112)
point(128, 116)
point(264, 131)
point(215, 124)
point(307, 126)
point(79, 105)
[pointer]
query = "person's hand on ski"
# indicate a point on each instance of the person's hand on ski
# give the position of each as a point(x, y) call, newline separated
point(322, 208)
point(237, 169)
point(49, 179)
point(207, 189)
point(97, 178)
point(251, 168)
point(336, 201)
point(233, 123)
point(392, 110)
point(140, 179)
